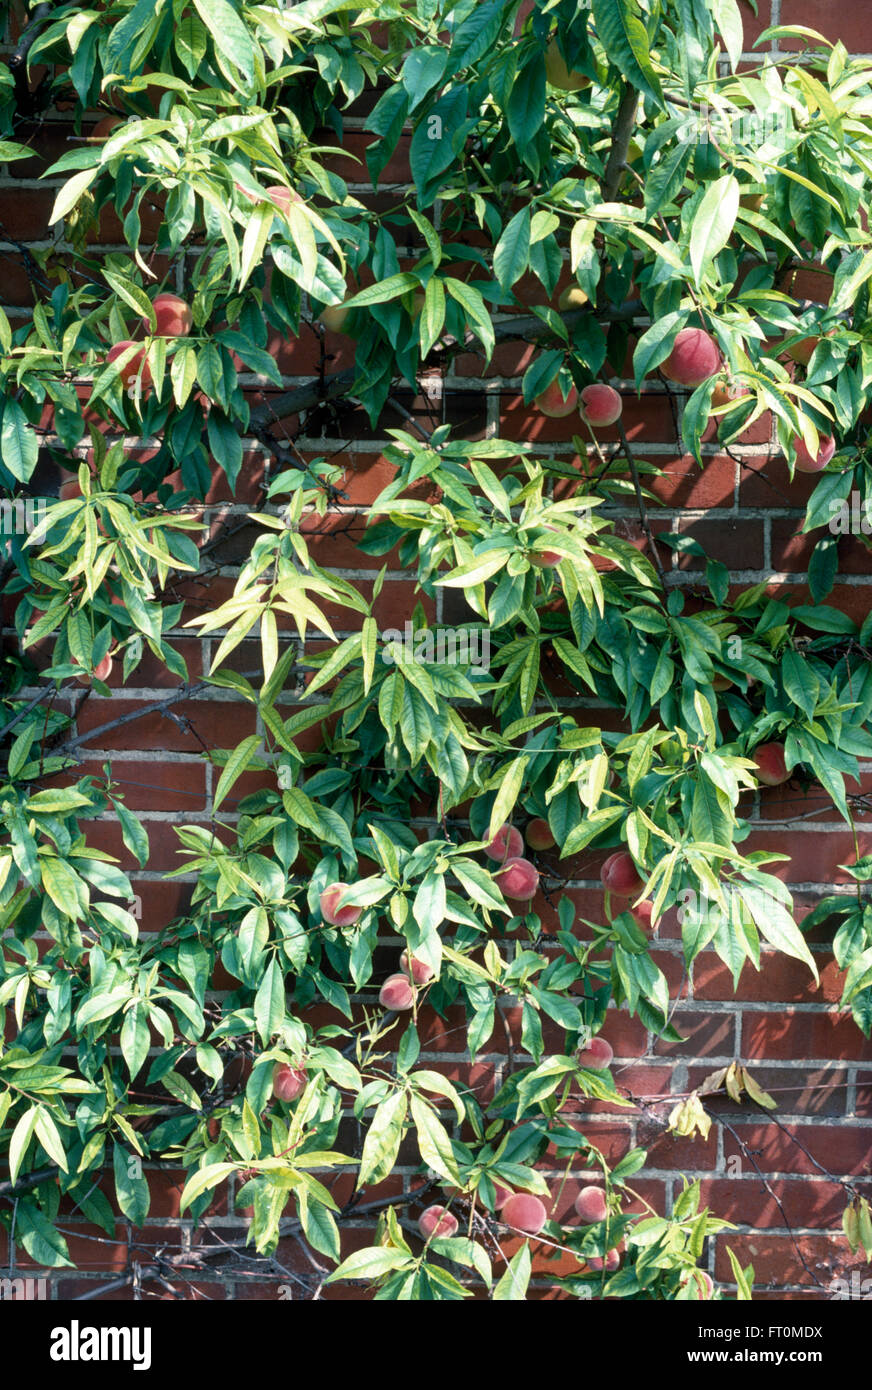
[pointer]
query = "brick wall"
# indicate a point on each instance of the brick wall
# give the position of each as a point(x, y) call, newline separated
point(774, 1179)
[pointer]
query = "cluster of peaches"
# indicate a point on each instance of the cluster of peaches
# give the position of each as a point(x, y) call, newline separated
point(174, 320)
point(695, 358)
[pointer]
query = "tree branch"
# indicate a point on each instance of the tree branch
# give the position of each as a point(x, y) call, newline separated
point(24, 98)
point(623, 134)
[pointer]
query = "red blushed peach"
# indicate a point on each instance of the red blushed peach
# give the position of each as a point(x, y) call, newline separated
point(131, 370)
point(524, 1213)
point(545, 558)
point(539, 835)
point(102, 671)
point(801, 352)
point(694, 358)
point(174, 317)
point(804, 461)
point(508, 843)
point(612, 1261)
point(600, 405)
point(725, 392)
point(105, 126)
point(591, 1205)
point(288, 1082)
point(282, 197)
point(620, 876)
point(552, 402)
point(397, 993)
point(643, 914)
point(420, 972)
point(597, 1055)
point(437, 1222)
point(338, 916)
point(518, 879)
point(771, 765)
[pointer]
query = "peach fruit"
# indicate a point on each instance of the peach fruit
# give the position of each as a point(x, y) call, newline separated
point(524, 1212)
point(597, 1055)
point(694, 358)
point(518, 878)
point(508, 843)
point(620, 876)
point(600, 405)
point(397, 993)
point(337, 916)
point(436, 1222)
point(591, 1205)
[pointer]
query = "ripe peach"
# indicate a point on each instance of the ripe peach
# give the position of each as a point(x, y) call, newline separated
point(105, 126)
point(174, 317)
point(438, 1222)
point(559, 75)
point(771, 766)
point(518, 878)
point(551, 401)
point(600, 405)
point(282, 197)
point(508, 843)
point(804, 461)
point(591, 1205)
point(397, 993)
point(546, 559)
point(539, 835)
point(420, 972)
point(337, 916)
point(288, 1082)
point(642, 914)
point(102, 671)
point(801, 352)
point(612, 1261)
point(525, 1213)
point(725, 392)
point(131, 370)
point(620, 875)
point(695, 357)
point(597, 1055)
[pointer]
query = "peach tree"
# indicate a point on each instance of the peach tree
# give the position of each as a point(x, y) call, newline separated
point(607, 185)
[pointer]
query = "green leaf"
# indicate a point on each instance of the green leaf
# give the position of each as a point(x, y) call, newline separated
point(229, 34)
point(41, 1240)
point(236, 764)
point(20, 1141)
point(70, 194)
point(383, 1139)
point(512, 251)
point(131, 1185)
point(512, 1287)
point(19, 447)
point(370, 1264)
point(622, 35)
point(434, 1142)
point(713, 223)
point(269, 1002)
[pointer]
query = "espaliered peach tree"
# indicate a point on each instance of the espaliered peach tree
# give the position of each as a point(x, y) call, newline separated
point(606, 182)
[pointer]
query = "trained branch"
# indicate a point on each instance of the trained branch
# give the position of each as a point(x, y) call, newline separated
point(643, 510)
point(623, 134)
